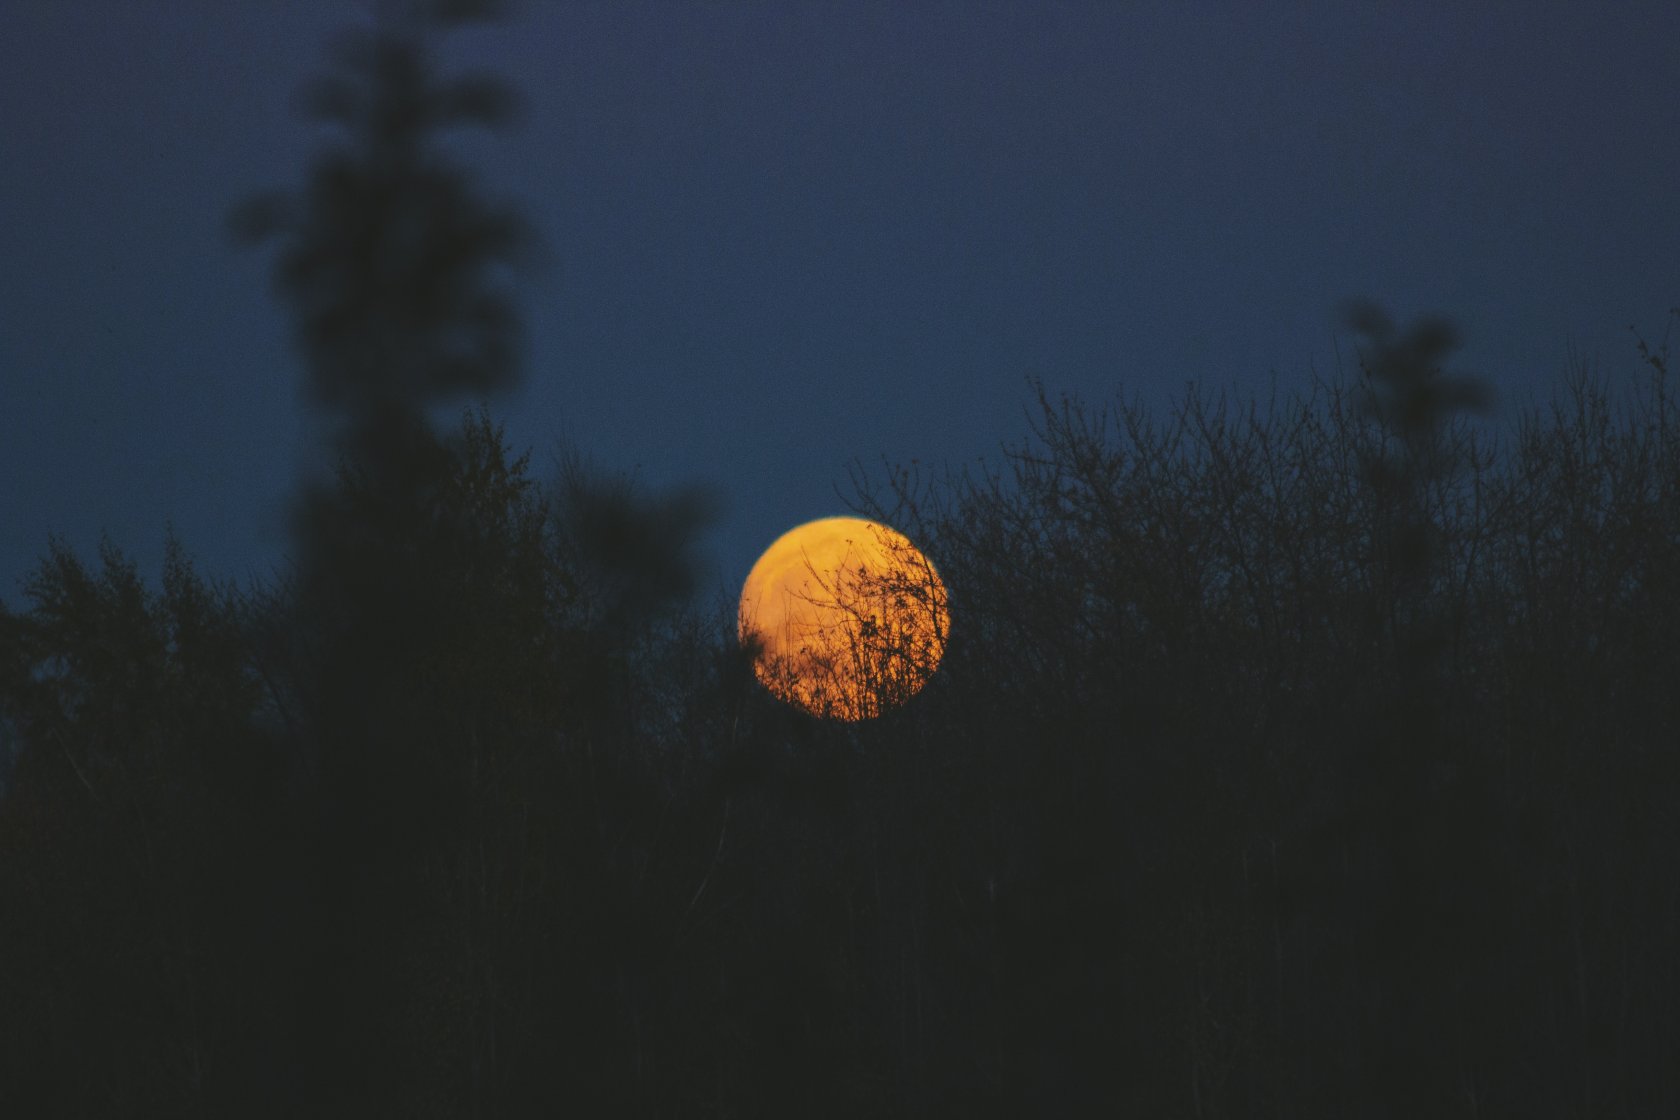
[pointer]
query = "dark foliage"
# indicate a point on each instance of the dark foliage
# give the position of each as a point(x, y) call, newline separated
point(1315, 757)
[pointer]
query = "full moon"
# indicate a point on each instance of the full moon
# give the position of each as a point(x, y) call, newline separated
point(845, 617)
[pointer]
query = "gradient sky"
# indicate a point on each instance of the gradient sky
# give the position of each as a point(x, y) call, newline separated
point(786, 237)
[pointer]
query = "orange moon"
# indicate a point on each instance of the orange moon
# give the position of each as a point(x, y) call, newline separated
point(845, 617)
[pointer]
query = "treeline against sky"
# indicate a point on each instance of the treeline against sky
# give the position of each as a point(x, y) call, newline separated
point(1314, 756)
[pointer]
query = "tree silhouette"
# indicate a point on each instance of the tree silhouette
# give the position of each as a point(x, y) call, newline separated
point(138, 839)
point(424, 583)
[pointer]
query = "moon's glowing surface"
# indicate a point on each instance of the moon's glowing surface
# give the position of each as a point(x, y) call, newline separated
point(847, 618)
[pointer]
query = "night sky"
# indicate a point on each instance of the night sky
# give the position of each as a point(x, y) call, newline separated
point(782, 238)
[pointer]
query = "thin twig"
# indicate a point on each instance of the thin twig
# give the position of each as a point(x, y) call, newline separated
point(723, 830)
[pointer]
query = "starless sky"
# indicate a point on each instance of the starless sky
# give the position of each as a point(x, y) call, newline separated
point(788, 236)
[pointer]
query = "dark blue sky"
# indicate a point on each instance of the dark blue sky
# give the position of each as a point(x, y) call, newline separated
point(789, 236)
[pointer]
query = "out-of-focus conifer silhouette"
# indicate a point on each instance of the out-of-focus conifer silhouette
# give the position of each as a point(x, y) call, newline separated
point(424, 598)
